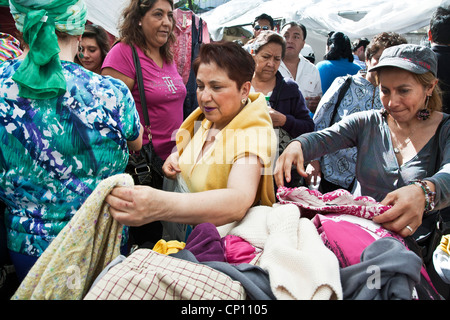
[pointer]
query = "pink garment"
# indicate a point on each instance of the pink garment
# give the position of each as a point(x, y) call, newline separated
point(344, 222)
point(237, 250)
point(341, 201)
point(348, 236)
point(183, 46)
point(164, 92)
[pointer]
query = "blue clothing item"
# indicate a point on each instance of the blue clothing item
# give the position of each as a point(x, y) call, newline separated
point(339, 167)
point(331, 69)
point(377, 169)
point(287, 99)
point(54, 152)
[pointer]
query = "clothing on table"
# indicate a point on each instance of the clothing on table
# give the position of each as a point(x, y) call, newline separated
point(387, 271)
point(205, 244)
point(168, 247)
point(148, 275)
point(9, 47)
point(307, 77)
point(337, 214)
point(298, 263)
point(339, 167)
point(86, 246)
point(56, 151)
point(164, 92)
point(441, 259)
point(369, 132)
point(312, 202)
point(331, 69)
point(250, 132)
point(443, 74)
point(254, 279)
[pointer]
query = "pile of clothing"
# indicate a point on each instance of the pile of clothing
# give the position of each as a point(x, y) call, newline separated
point(308, 246)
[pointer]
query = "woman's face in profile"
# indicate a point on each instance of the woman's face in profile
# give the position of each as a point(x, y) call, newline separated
point(218, 96)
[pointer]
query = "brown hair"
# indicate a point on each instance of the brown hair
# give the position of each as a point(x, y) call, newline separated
point(267, 37)
point(426, 79)
point(231, 57)
point(131, 33)
point(382, 41)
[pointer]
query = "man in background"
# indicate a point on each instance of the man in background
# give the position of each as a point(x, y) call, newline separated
point(359, 52)
point(439, 36)
point(297, 67)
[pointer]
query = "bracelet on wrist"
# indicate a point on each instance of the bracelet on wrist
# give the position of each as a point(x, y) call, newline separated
point(429, 195)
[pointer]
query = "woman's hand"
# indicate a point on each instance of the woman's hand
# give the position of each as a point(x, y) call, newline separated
point(278, 119)
point(171, 167)
point(292, 155)
point(408, 205)
point(130, 205)
point(313, 171)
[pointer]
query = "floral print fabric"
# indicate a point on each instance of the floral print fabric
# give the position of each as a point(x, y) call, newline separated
point(54, 152)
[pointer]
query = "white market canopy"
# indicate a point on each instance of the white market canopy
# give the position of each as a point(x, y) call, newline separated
point(322, 16)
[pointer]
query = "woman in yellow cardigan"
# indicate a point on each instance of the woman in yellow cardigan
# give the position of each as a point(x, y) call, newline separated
point(225, 150)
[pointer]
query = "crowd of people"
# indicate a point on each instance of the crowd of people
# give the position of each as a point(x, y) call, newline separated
point(370, 118)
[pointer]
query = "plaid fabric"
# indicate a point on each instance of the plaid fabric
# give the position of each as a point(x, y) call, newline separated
point(148, 275)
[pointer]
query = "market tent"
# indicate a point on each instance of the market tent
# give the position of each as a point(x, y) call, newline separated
point(322, 16)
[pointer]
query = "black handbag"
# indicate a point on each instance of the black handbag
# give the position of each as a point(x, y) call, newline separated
point(145, 166)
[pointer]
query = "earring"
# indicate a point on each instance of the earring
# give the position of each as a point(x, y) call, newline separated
point(424, 114)
point(80, 51)
point(243, 101)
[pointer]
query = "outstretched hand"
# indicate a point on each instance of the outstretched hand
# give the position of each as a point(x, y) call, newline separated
point(406, 214)
point(292, 155)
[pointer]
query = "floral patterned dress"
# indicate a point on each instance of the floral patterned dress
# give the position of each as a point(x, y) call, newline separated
point(54, 152)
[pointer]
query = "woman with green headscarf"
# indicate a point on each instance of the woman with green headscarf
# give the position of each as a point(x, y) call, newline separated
point(63, 128)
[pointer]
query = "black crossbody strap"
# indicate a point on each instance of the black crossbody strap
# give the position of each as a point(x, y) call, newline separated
point(140, 83)
point(341, 95)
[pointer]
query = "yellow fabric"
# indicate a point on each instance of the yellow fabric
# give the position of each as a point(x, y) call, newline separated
point(250, 132)
point(168, 247)
point(445, 244)
point(86, 245)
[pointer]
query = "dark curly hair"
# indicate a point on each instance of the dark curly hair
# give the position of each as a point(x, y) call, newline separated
point(382, 41)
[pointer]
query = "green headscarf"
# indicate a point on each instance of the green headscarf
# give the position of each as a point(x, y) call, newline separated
point(40, 76)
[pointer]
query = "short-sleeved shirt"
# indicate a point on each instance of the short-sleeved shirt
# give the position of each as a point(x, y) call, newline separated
point(331, 69)
point(164, 92)
point(54, 152)
point(307, 78)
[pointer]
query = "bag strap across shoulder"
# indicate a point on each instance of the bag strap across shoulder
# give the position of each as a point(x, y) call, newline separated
point(140, 83)
point(341, 95)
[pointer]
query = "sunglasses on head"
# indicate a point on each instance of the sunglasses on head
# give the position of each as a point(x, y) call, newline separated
point(257, 28)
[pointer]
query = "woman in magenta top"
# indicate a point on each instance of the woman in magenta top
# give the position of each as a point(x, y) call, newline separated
point(148, 26)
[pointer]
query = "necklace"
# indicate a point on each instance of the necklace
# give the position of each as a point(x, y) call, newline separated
point(400, 147)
